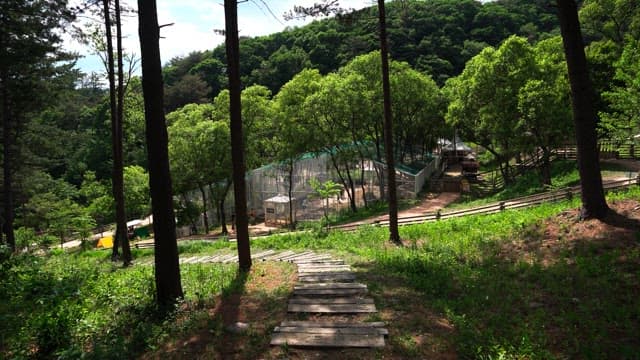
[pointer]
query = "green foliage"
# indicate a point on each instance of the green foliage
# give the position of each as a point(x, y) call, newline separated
point(190, 89)
point(325, 191)
point(62, 305)
point(513, 100)
point(136, 192)
point(622, 121)
point(26, 238)
point(435, 37)
point(97, 199)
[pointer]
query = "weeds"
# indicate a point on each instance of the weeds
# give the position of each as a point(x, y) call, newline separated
point(583, 304)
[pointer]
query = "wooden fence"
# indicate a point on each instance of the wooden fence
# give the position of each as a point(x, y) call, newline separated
point(518, 203)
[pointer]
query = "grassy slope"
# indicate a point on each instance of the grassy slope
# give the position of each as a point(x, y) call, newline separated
point(478, 287)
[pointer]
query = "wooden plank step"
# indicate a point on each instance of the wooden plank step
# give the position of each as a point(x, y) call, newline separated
point(233, 258)
point(315, 258)
point(330, 285)
point(325, 269)
point(306, 259)
point(306, 262)
point(322, 266)
point(338, 300)
point(327, 277)
point(327, 340)
point(329, 292)
point(278, 256)
point(226, 258)
point(187, 260)
point(217, 258)
point(297, 256)
point(332, 308)
point(261, 255)
point(353, 330)
point(335, 324)
point(208, 259)
point(199, 259)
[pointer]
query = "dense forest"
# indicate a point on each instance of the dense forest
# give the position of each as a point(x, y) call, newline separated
point(435, 37)
point(448, 58)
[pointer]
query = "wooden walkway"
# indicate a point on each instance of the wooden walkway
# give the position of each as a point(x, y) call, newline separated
point(325, 286)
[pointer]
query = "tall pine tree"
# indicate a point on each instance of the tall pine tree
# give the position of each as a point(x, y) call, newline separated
point(237, 147)
point(585, 119)
point(29, 59)
point(167, 269)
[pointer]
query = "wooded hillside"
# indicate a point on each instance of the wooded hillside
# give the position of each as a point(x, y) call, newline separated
point(436, 37)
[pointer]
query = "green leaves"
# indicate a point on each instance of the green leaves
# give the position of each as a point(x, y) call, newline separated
point(512, 99)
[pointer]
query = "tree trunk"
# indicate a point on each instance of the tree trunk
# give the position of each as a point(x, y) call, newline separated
point(292, 224)
point(594, 204)
point(7, 167)
point(223, 217)
point(362, 186)
point(204, 212)
point(545, 169)
point(192, 220)
point(352, 196)
point(394, 235)
point(119, 135)
point(344, 181)
point(237, 147)
point(167, 268)
point(117, 181)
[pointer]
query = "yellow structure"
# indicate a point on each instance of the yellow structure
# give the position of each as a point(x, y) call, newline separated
point(105, 242)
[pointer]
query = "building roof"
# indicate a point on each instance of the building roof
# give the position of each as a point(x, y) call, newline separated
point(279, 199)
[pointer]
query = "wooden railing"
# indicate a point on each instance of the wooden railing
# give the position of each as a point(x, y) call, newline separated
point(518, 203)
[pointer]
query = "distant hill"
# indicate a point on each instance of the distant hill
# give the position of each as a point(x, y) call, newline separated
point(434, 36)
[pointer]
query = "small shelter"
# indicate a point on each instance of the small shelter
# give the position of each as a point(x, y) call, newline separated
point(276, 210)
point(456, 152)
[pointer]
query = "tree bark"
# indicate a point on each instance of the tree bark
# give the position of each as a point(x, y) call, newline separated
point(237, 147)
point(118, 162)
point(7, 167)
point(594, 204)
point(167, 268)
point(204, 212)
point(362, 185)
point(292, 224)
point(545, 170)
point(343, 180)
point(116, 176)
point(394, 235)
point(221, 212)
point(352, 197)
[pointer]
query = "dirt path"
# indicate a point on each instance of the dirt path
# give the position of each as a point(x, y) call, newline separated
point(431, 203)
point(631, 165)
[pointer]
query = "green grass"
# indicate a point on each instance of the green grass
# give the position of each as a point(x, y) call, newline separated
point(66, 304)
point(584, 305)
point(564, 174)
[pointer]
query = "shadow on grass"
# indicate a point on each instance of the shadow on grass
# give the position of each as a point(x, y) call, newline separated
point(621, 221)
point(584, 305)
point(228, 311)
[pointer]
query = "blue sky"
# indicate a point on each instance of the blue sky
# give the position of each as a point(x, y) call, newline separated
point(195, 21)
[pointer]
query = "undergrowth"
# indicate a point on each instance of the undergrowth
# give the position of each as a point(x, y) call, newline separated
point(584, 305)
point(564, 174)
